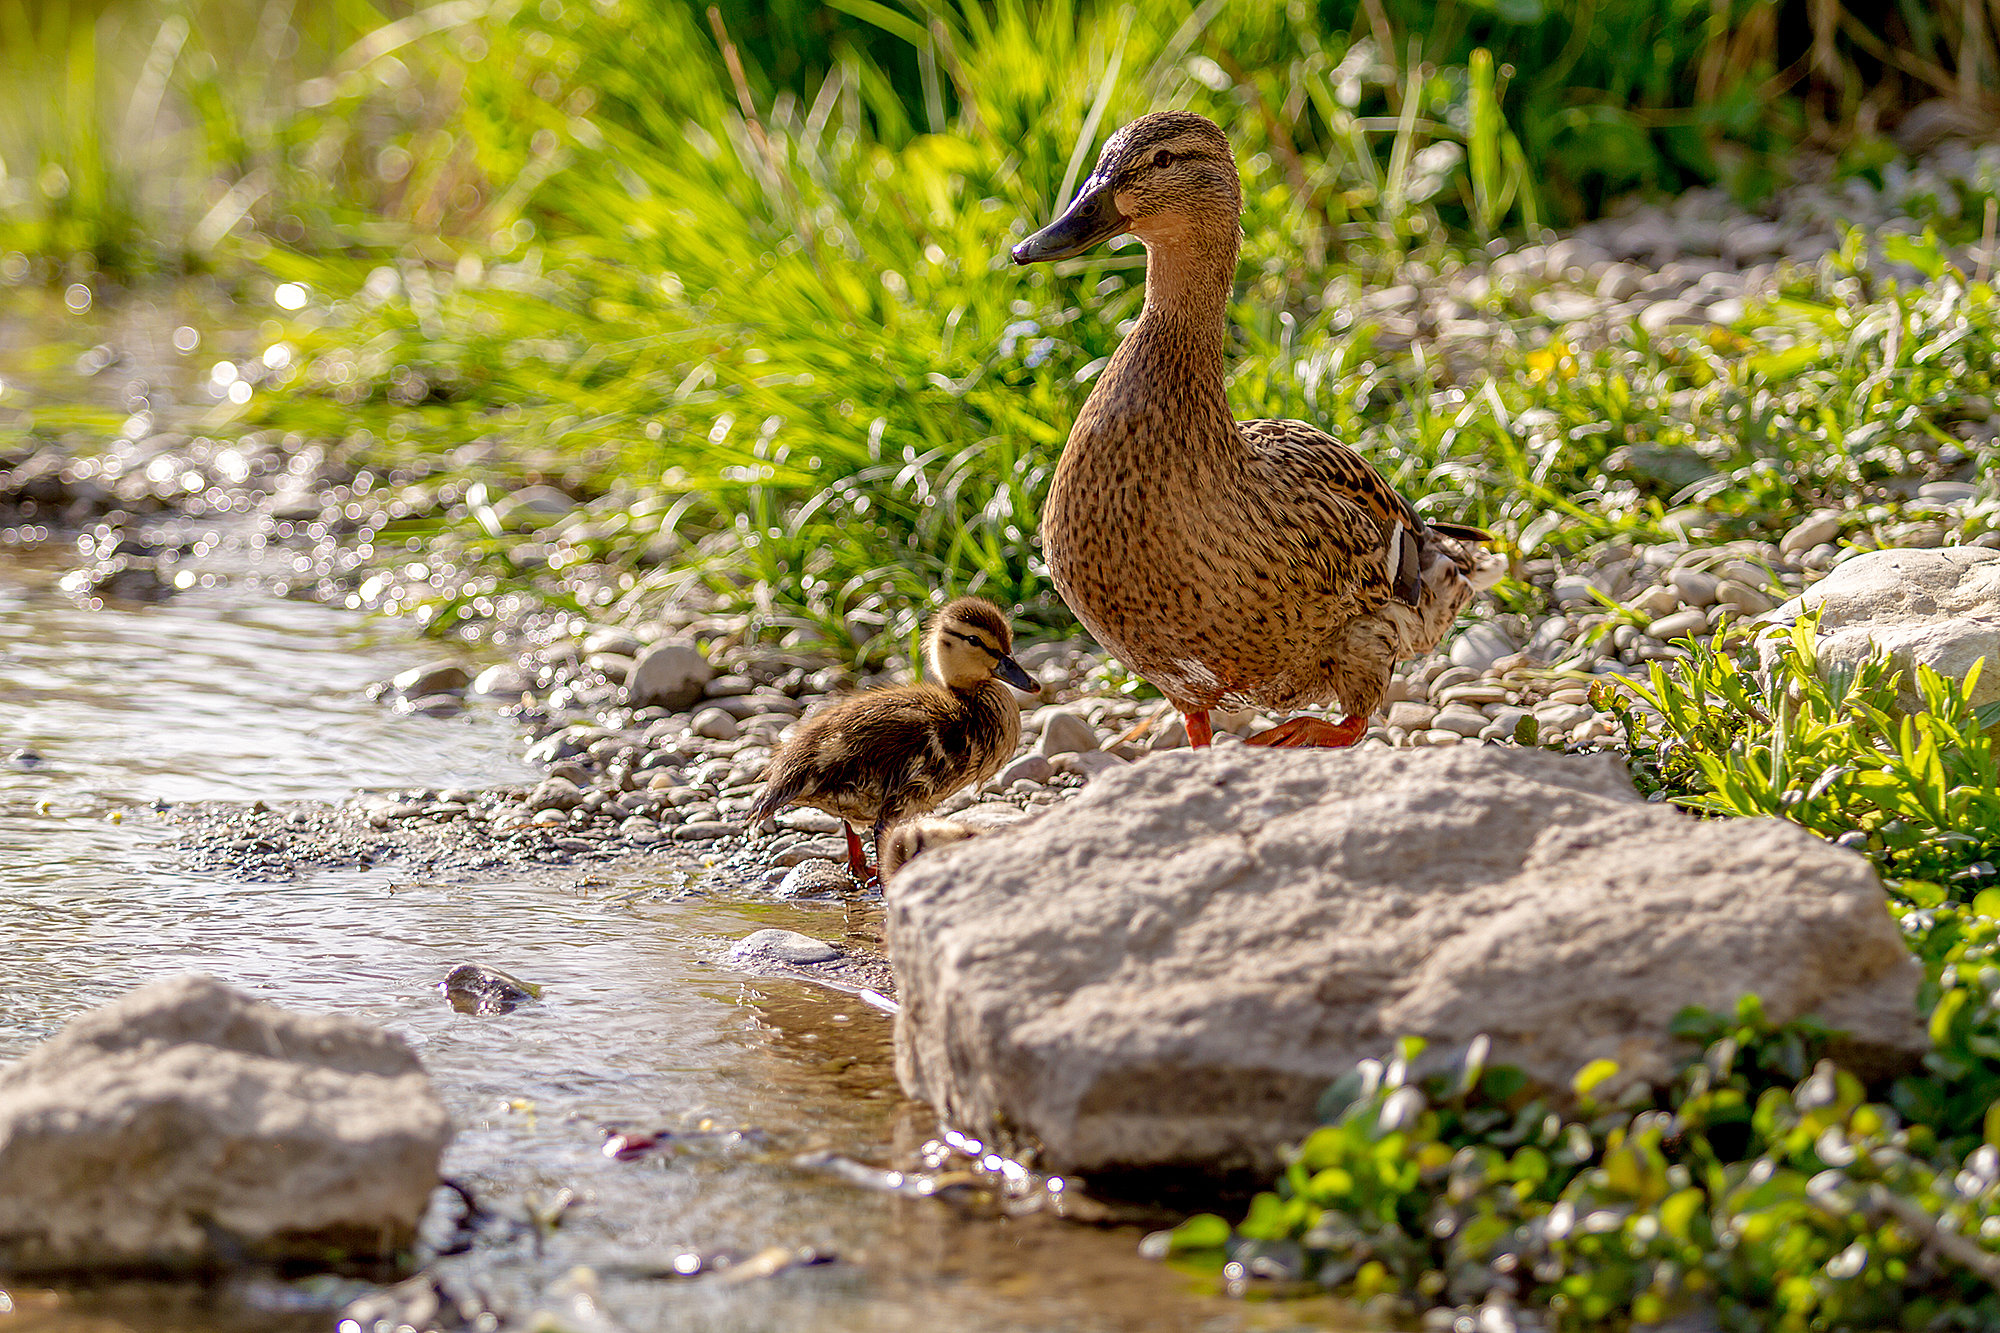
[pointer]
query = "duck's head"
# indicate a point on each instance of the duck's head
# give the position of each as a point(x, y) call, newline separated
point(1165, 177)
point(970, 644)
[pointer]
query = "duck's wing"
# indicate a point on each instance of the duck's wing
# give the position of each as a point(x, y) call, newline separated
point(1327, 476)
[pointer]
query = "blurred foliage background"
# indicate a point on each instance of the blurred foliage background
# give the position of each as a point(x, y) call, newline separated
point(143, 137)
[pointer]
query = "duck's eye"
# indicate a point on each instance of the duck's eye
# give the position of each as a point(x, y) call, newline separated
point(1163, 158)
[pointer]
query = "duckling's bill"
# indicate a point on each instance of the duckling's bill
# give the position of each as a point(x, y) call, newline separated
point(1011, 671)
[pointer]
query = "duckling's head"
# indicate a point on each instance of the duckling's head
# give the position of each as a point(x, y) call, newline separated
point(1167, 177)
point(969, 645)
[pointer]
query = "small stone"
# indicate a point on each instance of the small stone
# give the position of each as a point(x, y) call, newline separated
point(1063, 732)
point(619, 641)
point(714, 724)
point(728, 687)
point(1573, 590)
point(1411, 716)
point(612, 666)
point(1656, 602)
point(1086, 763)
point(474, 988)
point(1817, 530)
point(502, 680)
point(782, 946)
point(431, 678)
point(811, 879)
point(1562, 717)
point(1480, 646)
point(707, 830)
point(1436, 736)
point(1475, 692)
point(811, 849)
point(431, 705)
point(1449, 677)
point(1948, 492)
point(1620, 281)
point(805, 820)
point(1742, 599)
point(1696, 587)
point(668, 675)
point(1033, 768)
point(1678, 625)
point(556, 794)
point(1460, 719)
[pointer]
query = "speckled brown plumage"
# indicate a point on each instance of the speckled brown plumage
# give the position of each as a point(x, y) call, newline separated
point(1256, 562)
point(875, 758)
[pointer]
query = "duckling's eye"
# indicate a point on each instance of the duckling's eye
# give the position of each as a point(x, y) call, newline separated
point(1163, 158)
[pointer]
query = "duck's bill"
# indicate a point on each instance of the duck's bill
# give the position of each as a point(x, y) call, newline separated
point(1010, 671)
point(1092, 218)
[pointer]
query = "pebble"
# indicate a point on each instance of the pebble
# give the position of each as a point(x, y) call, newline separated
point(613, 640)
point(1818, 530)
point(810, 879)
point(805, 820)
point(474, 988)
point(1063, 732)
point(1678, 625)
point(556, 794)
point(1475, 692)
point(1696, 587)
point(1562, 717)
point(1480, 646)
point(1436, 736)
point(729, 686)
point(707, 830)
point(715, 725)
point(1948, 492)
point(782, 946)
point(1029, 767)
point(1411, 716)
point(1460, 720)
point(668, 675)
point(1742, 598)
point(1656, 602)
point(503, 679)
point(431, 678)
point(821, 849)
point(1574, 590)
point(1086, 763)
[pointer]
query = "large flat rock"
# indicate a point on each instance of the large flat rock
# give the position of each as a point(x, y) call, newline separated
point(1171, 969)
point(188, 1127)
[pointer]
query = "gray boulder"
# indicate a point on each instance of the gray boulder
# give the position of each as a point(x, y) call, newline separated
point(1169, 970)
point(188, 1126)
point(1940, 607)
point(668, 675)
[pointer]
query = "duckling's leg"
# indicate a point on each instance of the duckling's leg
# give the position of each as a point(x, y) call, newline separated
point(1198, 730)
point(1300, 732)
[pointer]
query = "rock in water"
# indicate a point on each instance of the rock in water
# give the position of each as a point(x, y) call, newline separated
point(1171, 969)
point(1938, 607)
point(187, 1126)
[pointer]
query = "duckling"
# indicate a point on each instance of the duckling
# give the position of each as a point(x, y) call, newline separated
point(912, 838)
point(1247, 563)
point(885, 755)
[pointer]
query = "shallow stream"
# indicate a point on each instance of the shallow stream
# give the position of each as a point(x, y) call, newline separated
point(233, 694)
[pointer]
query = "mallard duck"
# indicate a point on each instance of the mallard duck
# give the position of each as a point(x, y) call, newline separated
point(885, 755)
point(1242, 562)
point(910, 839)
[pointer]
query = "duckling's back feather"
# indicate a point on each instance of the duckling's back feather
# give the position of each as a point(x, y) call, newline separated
point(888, 754)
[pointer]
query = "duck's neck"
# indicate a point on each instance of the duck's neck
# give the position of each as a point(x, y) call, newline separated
point(1173, 361)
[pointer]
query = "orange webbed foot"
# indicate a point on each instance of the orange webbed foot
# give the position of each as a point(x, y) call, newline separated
point(1317, 732)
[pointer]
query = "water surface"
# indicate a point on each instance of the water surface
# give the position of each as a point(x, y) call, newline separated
point(232, 694)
